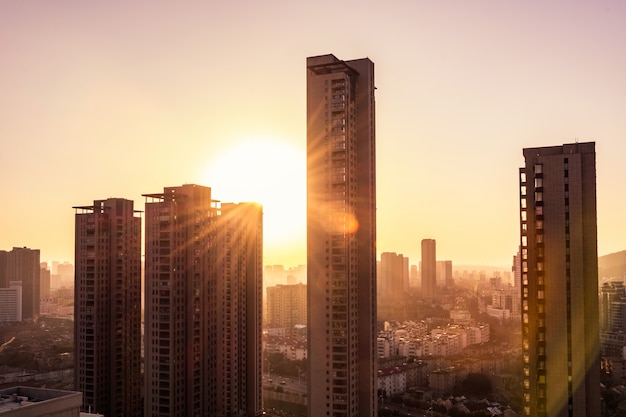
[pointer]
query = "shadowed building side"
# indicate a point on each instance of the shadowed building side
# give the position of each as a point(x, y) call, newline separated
point(203, 305)
point(107, 307)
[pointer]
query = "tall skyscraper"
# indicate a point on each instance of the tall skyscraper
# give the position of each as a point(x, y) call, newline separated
point(203, 305)
point(107, 307)
point(429, 267)
point(341, 238)
point(240, 305)
point(559, 256)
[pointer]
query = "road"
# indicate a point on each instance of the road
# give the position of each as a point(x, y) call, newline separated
point(6, 344)
point(290, 384)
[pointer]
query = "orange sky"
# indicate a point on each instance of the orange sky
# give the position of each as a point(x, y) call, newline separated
point(115, 99)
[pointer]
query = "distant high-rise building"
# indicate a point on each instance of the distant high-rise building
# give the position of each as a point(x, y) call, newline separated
point(392, 275)
point(44, 286)
point(405, 274)
point(559, 288)
point(414, 276)
point(392, 286)
point(444, 274)
point(429, 267)
point(203, 305)
point(22, 264)
point(613, 318)
point(65, 271)
point(286, 306)
point(4, 276)
point(517, 270)
point(107, 307)
point(341, 238)
point(613, 311)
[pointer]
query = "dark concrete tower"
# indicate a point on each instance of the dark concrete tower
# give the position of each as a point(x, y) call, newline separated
point(107, 307)
point(203, 305)
point(181, 302)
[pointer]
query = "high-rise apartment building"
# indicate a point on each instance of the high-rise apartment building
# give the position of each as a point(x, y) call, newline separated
point(286, 306)
point(44, 286)
point(516, 268)
point(559, 289)
point(107, 307)
point(414, 277)
point(429, 267)
point(444, 274)
point(22, 264)
point(392, 286)
point(393, 272)
point(613, 319)
point(341, 226)
point(4, 276)
point(239, 257)
point(203, 305)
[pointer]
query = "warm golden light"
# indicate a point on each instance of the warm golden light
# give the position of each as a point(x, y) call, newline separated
point(271, 172)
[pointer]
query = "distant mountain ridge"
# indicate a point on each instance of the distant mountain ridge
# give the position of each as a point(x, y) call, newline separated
point(612, 265)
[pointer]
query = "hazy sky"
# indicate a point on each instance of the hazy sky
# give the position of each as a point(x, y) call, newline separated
point(114, 98)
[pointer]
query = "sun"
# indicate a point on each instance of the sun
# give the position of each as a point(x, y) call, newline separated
point(271, 172)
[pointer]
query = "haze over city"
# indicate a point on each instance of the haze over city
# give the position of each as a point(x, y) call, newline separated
point(111, 99)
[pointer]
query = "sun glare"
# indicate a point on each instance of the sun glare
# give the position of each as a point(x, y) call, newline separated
point(269, 172)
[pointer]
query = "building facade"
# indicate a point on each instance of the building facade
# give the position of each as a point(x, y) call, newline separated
point(240, 305)
point(613, 319)
point(203, 305)
point(341, 236)
point(107, 307)
point(286, 306)
point(11, 303)
point(44, 286)
point(444, 274)
point(22, 264)
point(393, 279)
point(40, 402)
point(559, 288)
point(429, 267)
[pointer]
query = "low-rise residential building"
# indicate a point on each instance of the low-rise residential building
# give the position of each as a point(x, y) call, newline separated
point(441, 381)
point(392, 380)
point(35, 402)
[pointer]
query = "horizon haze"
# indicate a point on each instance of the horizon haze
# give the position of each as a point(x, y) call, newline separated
point(118, 99)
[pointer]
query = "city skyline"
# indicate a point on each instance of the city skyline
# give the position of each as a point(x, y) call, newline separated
point(98, 98)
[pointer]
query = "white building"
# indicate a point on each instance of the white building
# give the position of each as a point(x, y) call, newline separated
point(11, 302)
